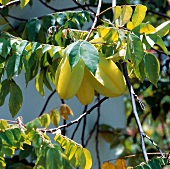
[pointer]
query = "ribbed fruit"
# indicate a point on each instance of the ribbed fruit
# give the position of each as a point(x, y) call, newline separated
point(108, 80)
point(67, 79)
point(85, 93)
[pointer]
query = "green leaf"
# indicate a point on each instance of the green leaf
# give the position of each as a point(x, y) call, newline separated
point(152, 68)
point(4, 90)
point(61, 18)
point(117, 12)
point(85, 159)
point(13, 66)
point(26, 152)
point(7, 136)
point(33, 26)
point(125, 14)
point(161, 43)
point(85, 51)
point(39, 83)
point(138, 16)
point(53, 159)
point(16, 99)
point(5, 47)
point(16, 133)
point(154, 164)
point(24, 3)
point(163, 29)
point(45, 120)
point(137, 49)
point(55, 117)
point(128, 49)
point(34, 124)
point(139, 71)
point(48, 21)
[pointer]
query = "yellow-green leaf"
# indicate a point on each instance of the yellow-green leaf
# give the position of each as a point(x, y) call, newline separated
point(39, 83)
point(147, 28)
point(138, 15)
point(125, 15)
point(3, 125)
point(55, 117)
point(85, 159)
point(24, 3)
point(108, 165)
point(45, 120)
point(117, 12)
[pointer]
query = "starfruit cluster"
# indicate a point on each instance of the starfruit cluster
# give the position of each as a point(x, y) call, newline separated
point(80, 75)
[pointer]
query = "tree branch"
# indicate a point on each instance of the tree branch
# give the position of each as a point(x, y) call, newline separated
point(97, 132)
point(46, 103)
point(131, 92)
point(95, 19)
point(10, 4)
point(78, 119)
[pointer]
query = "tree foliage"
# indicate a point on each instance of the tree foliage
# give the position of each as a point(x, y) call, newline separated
point(57, 54)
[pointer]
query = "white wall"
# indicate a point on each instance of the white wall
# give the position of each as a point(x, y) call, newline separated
point(112, 110)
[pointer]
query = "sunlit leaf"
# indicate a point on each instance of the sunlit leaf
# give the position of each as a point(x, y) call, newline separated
point(15, 99)
point(146, 28)
point(138, 16)
point(85, 159)
point(3, 125)
point(163, 29)
point(139, 71)
point(39, 83)
point(125, 14)
point(117, 12)
point(24, 3)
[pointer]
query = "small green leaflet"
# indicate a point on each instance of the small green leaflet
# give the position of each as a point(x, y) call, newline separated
point(53, 158)
point(137, 49)
point(85, 51)
point(4, 90)
point(85, 159)
point(45, 120)
point(15, 99)
point(152, 68)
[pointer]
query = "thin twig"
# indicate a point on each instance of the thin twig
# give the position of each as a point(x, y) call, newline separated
point(46, 103)
point(84, 127)
point(135, 155)
point(95, 19)
point(78, 119)
point(158, 13)
point(97, 133)
point(64, 121)
point(135, 111)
